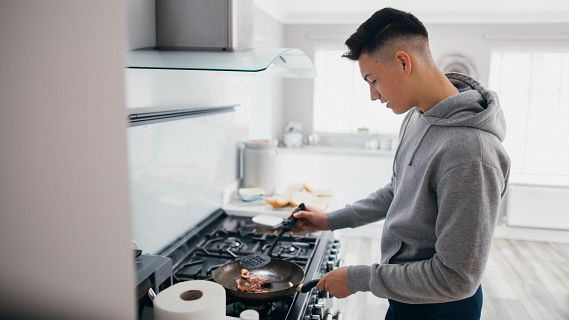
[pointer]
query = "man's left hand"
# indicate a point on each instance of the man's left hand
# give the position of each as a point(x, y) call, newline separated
point(335, 282)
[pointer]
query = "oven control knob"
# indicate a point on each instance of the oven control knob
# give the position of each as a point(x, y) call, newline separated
point(306, 318)
point(332, 257)
point(334, 250)
point(316, 317)
point(323, 294)
point(329, 266)
point(318, 310)
point(339, 262)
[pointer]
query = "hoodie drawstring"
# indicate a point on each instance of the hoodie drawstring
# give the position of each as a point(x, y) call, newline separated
point(418, 144)
point(399, 145)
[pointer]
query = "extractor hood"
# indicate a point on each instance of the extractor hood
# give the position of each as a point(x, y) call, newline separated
point(214, 35)
point(285, 62)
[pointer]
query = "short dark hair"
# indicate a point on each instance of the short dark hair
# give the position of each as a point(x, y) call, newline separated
point(383, 26)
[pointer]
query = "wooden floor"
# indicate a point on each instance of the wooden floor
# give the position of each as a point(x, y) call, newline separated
point(523, 280)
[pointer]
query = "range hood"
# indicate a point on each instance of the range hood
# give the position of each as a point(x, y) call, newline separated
point(284, 62)
point(214, 35)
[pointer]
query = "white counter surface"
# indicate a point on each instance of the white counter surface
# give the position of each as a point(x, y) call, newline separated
point(234, 206)
point(250, 210)
point(253, 210)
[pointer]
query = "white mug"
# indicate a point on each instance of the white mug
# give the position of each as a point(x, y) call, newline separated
point(292, 139)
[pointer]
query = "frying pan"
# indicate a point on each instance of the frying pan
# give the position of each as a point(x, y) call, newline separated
point(282, 274)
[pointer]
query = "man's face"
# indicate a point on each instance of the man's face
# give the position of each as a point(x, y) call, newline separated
point(386, 82)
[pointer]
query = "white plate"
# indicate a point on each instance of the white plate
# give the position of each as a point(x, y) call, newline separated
point(268, 220)
point(251, 194)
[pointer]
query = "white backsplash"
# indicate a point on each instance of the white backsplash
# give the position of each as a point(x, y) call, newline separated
point(178, 171)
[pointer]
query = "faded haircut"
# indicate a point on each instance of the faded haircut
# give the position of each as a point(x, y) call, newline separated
point(387, 28)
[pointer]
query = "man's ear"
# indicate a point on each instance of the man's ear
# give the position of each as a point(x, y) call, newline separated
point(403, 61)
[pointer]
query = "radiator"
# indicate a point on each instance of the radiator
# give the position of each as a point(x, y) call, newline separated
point(538, 207)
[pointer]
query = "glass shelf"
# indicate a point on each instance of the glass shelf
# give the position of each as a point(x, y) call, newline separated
point(293, 62)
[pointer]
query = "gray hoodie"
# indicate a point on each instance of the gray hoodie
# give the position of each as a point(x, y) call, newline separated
point(450, 174)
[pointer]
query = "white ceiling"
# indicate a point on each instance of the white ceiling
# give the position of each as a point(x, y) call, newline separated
point(437, 11)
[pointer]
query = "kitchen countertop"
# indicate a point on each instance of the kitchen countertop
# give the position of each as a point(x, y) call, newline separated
point(260, 207)
point(233, 206)
point(256, 209)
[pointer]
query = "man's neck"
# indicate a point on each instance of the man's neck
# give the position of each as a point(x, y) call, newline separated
point(434, 87)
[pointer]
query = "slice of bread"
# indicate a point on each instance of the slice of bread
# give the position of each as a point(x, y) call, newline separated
point(308, 199)
point(278, 201)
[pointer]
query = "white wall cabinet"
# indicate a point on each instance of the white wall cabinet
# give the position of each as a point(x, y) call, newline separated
point(538, 207)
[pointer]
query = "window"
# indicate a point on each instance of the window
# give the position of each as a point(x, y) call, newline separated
point(341, 99)
point(533, 87)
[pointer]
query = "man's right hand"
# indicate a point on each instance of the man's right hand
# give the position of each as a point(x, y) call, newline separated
point(311, 220)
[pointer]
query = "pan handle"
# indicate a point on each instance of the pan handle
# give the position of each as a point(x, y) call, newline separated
point(309, 285)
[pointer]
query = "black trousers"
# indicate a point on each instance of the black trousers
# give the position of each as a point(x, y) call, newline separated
point(466, 309)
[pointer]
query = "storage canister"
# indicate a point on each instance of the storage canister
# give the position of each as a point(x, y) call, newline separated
point(260, 164)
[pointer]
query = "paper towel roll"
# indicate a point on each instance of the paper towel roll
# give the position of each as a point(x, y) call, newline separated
point(191, 300)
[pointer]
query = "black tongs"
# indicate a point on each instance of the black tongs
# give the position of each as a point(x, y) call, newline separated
point(259, 259)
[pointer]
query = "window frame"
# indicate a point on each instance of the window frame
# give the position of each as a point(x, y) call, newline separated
point(519, 172)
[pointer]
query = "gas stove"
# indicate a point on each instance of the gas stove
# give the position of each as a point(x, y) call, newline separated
point(222, 238)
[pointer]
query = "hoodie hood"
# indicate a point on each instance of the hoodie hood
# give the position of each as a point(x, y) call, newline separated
point(474, 106)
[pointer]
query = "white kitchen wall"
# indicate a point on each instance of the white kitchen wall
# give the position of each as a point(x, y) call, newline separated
point(266, 107)
point(65, 226)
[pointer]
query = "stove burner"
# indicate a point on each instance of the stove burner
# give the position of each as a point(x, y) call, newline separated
point(289, 249)
point(232, 243)
point(229, 245)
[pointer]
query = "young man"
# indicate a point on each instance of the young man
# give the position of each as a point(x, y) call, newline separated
point(450, 174)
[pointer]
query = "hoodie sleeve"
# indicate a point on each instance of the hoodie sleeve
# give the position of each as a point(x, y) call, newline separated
point(468, 199)
point(371, 209)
